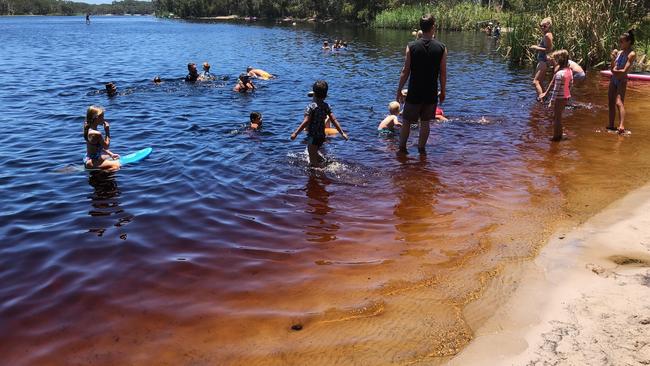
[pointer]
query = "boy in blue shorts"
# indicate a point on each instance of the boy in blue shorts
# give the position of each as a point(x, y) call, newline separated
point(315, 115)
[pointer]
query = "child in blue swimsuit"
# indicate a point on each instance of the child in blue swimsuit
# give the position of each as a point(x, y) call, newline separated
point(620, 66)
point(315, 115)
point(98, 156)
point(543, 49)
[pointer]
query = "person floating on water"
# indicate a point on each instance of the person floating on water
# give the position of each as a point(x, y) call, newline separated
point(543, 49)
point(98, 155)
point(620, 66)
point(206, 75)
point(258, 73)
point(256, 121)
point(87, 18)
point(157, 79)
point(315, 115)
point(561, 86)
point(111, 89)
point(388, 124)
point(425, 65)
point(244, 84)
point(193, 73)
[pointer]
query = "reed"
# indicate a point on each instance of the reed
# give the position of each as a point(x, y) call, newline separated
point(455, 17)
point(588, 29)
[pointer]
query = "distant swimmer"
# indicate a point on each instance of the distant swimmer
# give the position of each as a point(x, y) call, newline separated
point(193, 73)
point(87, 18)
point(258, 73)
point(315, 115)
point(157, 80)
point(440, 115)
point(98, 155)
point(256, 121)
point(392, 119)
point(244, 84)
point(111, 89)
point(206, 75)
point(344, 45)
point(326, 46)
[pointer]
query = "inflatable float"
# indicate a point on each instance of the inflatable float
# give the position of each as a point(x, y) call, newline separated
point(631, 76)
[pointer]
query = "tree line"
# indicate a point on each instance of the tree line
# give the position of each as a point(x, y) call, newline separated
point(61, 7)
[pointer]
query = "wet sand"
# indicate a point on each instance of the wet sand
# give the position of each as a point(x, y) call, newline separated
point(583, 301)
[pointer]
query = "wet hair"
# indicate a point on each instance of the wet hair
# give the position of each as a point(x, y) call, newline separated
point(206, 66)
point(548, 21)
point(326, 42)
point(91, 114)
point(255, 115)
point(561, 57)
point(111, 89)
point(629, 36)
point(427, 22)
point(244, 78)
point(190, 66)
point(320, 89)
point(249, 69)
point(157, 79)
point(393, 107)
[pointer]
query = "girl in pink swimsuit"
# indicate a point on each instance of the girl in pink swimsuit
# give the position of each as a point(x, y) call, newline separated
point(561, 86)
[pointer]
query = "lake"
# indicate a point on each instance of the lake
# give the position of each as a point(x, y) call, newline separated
point(223, 247)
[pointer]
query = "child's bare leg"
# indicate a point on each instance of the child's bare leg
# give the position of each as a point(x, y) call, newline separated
point(620, 99)
point(612, 97)
point(557, 119)
point(314, 158)
point(110, 165)
point(540, 73)
point(424, 135)
point(404, 133)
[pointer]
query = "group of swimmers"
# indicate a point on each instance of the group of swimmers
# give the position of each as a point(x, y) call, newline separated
point(565, 71)
point(337, 45)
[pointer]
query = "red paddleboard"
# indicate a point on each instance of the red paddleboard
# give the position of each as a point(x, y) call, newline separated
point(644, 77)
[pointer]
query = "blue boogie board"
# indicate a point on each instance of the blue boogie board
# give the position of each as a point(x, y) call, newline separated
point(136, 156)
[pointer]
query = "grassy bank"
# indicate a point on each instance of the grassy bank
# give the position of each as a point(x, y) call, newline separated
point(588, 29)
point(462, 16)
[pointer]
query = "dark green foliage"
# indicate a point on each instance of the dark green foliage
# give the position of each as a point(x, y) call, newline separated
point(58, 7)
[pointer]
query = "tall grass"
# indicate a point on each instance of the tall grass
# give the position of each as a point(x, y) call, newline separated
point(461, 16)
point(588, 29)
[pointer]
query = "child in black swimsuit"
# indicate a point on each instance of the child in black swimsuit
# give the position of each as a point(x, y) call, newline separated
point(315, 115)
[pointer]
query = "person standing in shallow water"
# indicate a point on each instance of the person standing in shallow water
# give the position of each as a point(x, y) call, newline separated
point(425, 65)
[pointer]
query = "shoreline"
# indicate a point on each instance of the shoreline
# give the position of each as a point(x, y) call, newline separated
point(582, 299)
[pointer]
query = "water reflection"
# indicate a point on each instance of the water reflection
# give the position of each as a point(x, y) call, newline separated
point(104, 202)
point(320, 229)
point(417, 186)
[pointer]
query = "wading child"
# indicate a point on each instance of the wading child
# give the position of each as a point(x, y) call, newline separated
point(620, 65)
point(543, 49)
point(256, 121)
point(561, 85)
point(244, 84)
point(98, 156)
point(315, 115)
point(392, 120)
point(206, 75)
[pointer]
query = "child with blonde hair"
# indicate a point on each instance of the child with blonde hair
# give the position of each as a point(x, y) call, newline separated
point(391, 121)
point(98, 156)
point(561, 86)
point(544, 47)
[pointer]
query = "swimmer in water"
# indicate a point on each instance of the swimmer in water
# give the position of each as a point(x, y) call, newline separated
point(98, 156)
point(256, 121)
point(258, 73)
point(345, 45)
point(157, 80)
point(440, 115)
point(244, 84)
point(206, 75)
point(392, 119)
point(111, 89)
point(326, 46)
point(315, 115)
point(193, 73)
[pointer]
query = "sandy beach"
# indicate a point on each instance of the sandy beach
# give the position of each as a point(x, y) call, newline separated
point(582, 301)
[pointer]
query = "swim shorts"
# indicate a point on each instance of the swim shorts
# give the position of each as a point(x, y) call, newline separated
point(413, 113)
point(318, 141)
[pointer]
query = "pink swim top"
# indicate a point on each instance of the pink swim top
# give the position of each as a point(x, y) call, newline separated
point(563, 82)
point(439, 111)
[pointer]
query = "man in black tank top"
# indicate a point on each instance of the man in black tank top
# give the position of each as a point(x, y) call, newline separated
point(425, 65)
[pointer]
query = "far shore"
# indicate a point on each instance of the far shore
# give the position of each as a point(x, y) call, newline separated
point(582, 301)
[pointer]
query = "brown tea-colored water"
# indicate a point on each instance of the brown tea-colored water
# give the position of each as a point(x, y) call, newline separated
point(224, 248)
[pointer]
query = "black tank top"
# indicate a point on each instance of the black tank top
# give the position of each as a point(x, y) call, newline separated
point(426, 55)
